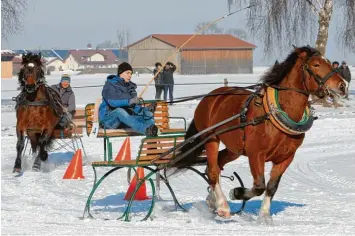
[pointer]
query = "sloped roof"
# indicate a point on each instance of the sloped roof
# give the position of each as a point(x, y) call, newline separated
point(60, 53)
point(8, 53)
point(80, 56)
point(206, 41)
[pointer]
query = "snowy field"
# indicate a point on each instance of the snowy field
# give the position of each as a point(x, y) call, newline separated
point(316, 194)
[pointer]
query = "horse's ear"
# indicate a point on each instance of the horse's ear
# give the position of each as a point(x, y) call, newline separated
point(38, 58)
point(294, 47)
point(24, 59)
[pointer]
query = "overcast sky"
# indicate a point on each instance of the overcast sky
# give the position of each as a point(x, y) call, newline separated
point(75, 23)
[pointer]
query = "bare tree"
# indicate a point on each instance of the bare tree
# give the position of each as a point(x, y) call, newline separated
point(107, 44)
point(281, 23)
point(242, 34)
point(11, 14)
point(123, 37)
point(213, 29)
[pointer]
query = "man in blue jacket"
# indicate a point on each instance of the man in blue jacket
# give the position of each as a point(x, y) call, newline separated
point(120, 104)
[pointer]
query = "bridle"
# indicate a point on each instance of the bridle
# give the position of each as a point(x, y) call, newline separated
point(319, 80)
point(38, 80)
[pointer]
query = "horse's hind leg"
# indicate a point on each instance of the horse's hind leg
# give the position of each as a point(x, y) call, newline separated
point(271, 188)
point(257, 164)
point(19, 148)
point(216, 198)
point(225, 156)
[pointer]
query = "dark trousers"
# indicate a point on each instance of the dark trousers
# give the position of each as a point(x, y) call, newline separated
point(158, 90)
point(169, 88)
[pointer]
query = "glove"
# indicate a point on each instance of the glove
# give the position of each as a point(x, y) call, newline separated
point(133, 101)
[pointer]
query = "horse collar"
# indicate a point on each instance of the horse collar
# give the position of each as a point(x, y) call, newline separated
point(280, 119)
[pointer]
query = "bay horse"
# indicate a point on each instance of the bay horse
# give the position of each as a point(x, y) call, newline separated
point(276, 119)
point(35, 110)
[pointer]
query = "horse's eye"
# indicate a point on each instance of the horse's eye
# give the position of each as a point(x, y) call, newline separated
point(316, 65)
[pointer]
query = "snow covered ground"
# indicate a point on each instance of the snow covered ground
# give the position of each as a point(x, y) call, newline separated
point(316, 195)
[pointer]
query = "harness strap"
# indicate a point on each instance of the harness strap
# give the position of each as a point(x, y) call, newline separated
point(35, 103)
point(243, 117)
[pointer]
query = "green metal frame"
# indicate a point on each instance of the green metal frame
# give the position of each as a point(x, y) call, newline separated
point(148, 177)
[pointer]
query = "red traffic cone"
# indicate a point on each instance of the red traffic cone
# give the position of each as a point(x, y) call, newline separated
point(75, 168)
point(142, 191)
point(125, 151)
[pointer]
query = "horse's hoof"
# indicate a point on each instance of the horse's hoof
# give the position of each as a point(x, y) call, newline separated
point(224, 211)
point(36, 168)
point(265, 219)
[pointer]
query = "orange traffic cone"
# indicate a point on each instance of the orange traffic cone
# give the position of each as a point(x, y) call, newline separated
point(142, 191)
point(75, 168)
point(125, 151)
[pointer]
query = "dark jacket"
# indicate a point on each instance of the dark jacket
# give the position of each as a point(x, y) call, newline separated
point(168, 76)
point(158, 80)
point(67, 96)
point(345, 73)
point(117, 93)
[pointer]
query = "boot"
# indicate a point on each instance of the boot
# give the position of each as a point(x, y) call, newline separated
point(151, 131)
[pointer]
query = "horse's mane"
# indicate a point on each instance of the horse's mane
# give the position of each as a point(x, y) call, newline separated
point(279, 71)
point(31, 58)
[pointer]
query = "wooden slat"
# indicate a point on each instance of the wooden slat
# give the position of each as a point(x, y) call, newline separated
point(155, 151)
point(116, 132)
point(163, 114)
point(172, 130)
point(165, 139)
point(159, 145)
point(128, 163)
point(80, 112)
point(152, 157)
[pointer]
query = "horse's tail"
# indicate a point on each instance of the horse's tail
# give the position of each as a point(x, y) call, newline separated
point(193, 157)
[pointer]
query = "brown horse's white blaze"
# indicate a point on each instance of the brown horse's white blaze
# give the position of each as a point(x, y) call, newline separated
point(304, 72)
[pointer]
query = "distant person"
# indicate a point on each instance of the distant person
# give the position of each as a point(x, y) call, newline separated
point(68, 99)
point(335, 65)
point(345, 72)
point(168, 79)
point(158, 80)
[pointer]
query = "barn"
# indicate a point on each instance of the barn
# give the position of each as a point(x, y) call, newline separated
point(204, 54)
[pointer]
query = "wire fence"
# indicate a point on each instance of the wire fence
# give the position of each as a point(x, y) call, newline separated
point(225, 83)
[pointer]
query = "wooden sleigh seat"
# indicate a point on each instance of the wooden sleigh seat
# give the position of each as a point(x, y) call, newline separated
point(149, 151)
point(161, 117)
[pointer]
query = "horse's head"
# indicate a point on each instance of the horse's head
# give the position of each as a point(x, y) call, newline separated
point(31, 74)
point(319, 76)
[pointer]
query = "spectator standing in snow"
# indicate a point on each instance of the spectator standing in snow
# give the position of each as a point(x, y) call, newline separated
point(168, 79)
point(158, 80)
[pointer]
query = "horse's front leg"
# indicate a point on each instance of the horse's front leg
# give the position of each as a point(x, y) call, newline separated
point(19, 148)
point(275, 177)
point(42, 154)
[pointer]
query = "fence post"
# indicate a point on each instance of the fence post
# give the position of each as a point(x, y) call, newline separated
point(225, 82)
